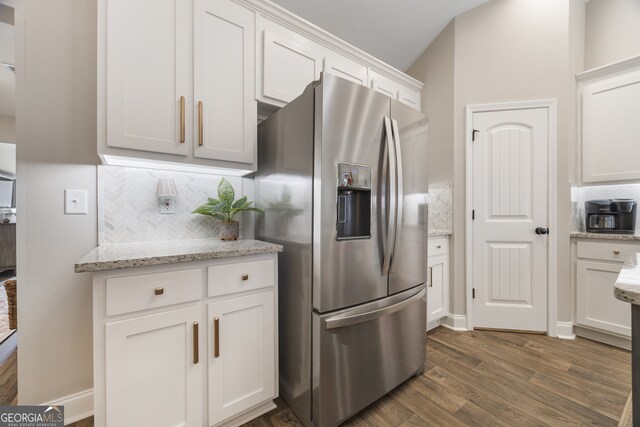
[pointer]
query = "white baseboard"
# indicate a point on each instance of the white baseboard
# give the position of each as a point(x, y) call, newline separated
point(432, 325)
point(77, 406)
point(457, 322)
point(564, 330)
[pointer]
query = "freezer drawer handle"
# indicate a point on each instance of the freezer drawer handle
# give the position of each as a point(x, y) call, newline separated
point(340, 321)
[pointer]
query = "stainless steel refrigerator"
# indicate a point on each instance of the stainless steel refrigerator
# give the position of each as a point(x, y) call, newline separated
point(343, 182)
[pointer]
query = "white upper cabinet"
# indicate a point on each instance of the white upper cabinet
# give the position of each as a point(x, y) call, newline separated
point(223, 85)
point(394, 89)
point(147, 75)
point(290, 63)
point(346, 68)
point(383, 84)
point(610, 109)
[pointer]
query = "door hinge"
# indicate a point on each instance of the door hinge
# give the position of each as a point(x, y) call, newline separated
point(473, 293)
point(473, 135)
point(473, 214)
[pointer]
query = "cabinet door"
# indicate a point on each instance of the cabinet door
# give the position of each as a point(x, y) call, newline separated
point(610, 110)
point(152, 377)
point(384, 84)
point(224, 78)
point(242, 371)
point(290, 63)
point(438, 288)
point(409, 97)
point(346, 68)
point(596, 306)
point(147, 74)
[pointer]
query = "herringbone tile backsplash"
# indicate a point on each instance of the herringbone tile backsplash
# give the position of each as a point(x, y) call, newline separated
point(440, 207)
point(128, 210)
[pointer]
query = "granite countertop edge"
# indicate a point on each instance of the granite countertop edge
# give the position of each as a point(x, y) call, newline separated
point(434, 233)
point(118, 256)
point(604, 236)
point(627, 286)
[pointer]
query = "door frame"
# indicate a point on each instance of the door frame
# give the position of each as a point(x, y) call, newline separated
point(552, 261)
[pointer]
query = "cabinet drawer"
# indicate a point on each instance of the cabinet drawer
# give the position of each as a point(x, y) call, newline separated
point(438, 246)
point(134, 293)
point(609, 251)
point(241, 276)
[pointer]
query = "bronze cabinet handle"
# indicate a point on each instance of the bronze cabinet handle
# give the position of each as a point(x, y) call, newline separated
point(182, 131)
point(159, 291)
point(195, 343)
point(216, 337)
point(245, 277)
point(200, 129)
point(616, 252)
point(431, 277)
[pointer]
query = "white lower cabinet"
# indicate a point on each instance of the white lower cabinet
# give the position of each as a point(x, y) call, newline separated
point(438, 281)
point(184, 345)
point(154, 375)
point(596, 306)
point(241, 354)
point(599, 314)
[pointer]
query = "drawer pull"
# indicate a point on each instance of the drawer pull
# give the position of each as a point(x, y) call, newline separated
point(159, 291)
point(216, 337)
point(195, 344)
point(431, 277)
point(616, 252)
point(439, 247)
point(245, 277)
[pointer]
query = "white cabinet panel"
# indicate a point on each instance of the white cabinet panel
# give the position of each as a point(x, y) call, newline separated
point(224, 105)
point(610, 110)
point(410, 97)
point(290, 63)
point(346, 68)
point(242, 370)
point(151, 377)
point(384, 84)
point(438, 289)
point(240, 277)
point(596, 306)
point(147, 74)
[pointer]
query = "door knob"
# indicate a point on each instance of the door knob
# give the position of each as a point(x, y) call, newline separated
point(542, 230)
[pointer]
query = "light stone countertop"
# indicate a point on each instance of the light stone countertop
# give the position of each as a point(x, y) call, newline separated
point(627, 286)
point(605, 236)
point(434, 233)
point(125, 255)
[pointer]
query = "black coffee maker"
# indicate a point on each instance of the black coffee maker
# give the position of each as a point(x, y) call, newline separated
point(616, 216)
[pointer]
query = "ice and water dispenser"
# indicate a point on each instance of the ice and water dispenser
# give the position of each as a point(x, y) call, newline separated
point(353, 202)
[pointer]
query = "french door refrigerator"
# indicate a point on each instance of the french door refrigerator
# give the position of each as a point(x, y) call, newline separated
point(343, 181)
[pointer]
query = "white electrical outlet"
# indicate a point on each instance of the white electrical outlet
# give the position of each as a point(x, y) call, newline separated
point(75, 202)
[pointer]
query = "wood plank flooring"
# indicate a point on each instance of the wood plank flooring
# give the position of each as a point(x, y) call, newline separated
point(487, 378)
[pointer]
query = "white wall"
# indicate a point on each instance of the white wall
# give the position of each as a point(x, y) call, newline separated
point(56, 133)
point(612, 31)
point(435, 69)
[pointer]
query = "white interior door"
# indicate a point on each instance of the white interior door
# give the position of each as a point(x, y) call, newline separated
point(510, 200)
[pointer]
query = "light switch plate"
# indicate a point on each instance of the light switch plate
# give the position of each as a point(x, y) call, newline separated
point(75, 202)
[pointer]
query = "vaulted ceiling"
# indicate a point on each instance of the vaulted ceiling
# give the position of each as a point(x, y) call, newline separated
point(396, 31)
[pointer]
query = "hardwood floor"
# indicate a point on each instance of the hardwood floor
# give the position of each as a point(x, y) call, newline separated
point(486, 378)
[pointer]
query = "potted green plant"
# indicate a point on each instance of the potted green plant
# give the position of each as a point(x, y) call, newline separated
point(225, 208)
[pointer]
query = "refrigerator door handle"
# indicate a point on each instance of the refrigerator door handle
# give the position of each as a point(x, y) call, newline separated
point(399, 194)
point(391, 215)
point(342, 320)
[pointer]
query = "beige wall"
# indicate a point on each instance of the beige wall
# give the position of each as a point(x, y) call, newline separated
point(612, 31)
point(7, 129)
point(503, 51)
point(435, 69)
point(56, 132)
